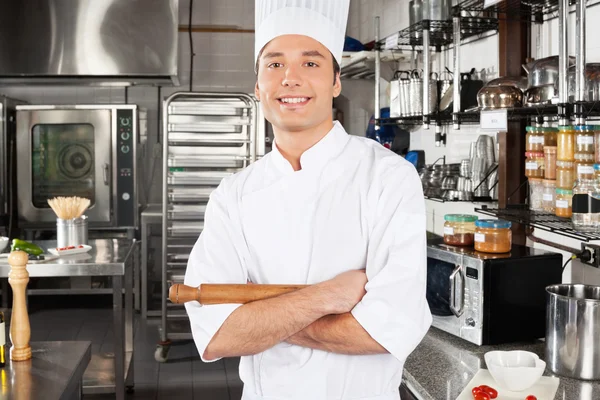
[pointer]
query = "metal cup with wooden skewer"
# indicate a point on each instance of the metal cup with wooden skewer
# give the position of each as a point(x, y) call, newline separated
point(20, 330)
point(207, 294)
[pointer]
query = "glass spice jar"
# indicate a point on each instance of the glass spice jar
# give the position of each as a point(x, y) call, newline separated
point(564, 198)
point(459, 229)
point(534, 139)
point(549, 195)
point(534, 165)
point(536, 194)
point(493, 236)
point(565, 143)
point(586, 205)
point(565, 174)
point(584, 169)
point(584, 139)
point(550, 162)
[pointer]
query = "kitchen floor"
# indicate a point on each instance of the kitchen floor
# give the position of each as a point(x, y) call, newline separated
point(183, 376)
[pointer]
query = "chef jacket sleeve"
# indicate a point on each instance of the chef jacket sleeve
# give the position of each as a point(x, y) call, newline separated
point(217, 257)
point(394, 310)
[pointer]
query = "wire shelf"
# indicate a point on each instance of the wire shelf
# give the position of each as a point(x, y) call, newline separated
point(535, 11)
point(441, 33)
point(549, 112)
point(545, 221)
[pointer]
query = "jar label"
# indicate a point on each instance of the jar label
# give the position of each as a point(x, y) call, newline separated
point(536, 139)
point(448, 230)
point(531, 165)
point(548, 197)
point(562, 204)
point(585, 140)
point(585, 169)
point(480, 237)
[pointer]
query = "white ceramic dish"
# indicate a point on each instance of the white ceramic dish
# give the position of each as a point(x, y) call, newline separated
point(3, 243)
point(545, 388)
point(514, 370)
point(83, 248)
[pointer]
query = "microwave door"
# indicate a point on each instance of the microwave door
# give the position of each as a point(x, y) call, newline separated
point(69, 152)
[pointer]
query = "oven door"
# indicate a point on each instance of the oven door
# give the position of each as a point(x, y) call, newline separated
point(63, 153)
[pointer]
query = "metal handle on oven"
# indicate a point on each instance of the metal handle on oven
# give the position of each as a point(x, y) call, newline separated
point(105, 173)
point(457, 311)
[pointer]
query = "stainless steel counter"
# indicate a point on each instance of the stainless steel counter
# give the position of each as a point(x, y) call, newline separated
point(106, 258)
point(442, 365)
point(55, 371)
point(107, 373)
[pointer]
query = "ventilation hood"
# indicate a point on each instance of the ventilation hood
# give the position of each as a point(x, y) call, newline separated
point(93, 42)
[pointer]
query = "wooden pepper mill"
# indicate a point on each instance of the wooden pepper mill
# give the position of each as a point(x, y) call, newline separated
point(20, 330)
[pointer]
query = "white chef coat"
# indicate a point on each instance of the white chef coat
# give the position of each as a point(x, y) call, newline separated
point(354, 204)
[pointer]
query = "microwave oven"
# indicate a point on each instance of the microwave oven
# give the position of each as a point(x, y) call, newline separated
point(490, 299)
point(77, 150)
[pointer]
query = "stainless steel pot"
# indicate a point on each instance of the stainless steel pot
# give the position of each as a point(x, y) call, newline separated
point(592, 82)
point(573, 330)
point(437, 10)
point(415, 15)
point(501, 96)
point(543, 71)
point(541, 95)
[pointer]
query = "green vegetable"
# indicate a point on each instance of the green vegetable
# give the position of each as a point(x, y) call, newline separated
point(27, 247)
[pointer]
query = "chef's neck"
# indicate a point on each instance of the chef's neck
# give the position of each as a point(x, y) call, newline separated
point(292, 144)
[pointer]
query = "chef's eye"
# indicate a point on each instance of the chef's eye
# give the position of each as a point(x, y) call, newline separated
point(311, 64)
point(275, 65)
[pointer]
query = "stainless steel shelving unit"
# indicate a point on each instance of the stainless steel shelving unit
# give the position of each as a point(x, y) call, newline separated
point(207, 137)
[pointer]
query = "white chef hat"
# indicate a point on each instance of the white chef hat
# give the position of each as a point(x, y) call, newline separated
point(322, 20)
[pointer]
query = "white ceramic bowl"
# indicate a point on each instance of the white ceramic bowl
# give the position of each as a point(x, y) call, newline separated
point(515, 370)
point(3, 243)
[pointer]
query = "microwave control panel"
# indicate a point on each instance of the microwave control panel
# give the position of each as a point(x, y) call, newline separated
point(125, 168)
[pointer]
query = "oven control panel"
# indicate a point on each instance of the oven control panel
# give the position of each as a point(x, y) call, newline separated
point(125, 210)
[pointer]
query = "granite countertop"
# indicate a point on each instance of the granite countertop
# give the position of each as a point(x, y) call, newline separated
point(442, 365)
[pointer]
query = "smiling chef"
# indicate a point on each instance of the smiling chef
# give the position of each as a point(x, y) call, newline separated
point(340, 213)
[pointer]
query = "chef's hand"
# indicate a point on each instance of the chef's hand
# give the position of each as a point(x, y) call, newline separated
point(345, 290)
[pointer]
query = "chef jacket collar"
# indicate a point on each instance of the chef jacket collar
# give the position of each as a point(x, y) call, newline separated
point(318, 155)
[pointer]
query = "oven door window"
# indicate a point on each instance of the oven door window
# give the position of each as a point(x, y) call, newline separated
point(62, 157)
point(438, 286)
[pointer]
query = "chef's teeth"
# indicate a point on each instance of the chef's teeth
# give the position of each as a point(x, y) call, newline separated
point(294, 100)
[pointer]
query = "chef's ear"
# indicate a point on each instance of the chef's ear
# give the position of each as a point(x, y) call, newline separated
point(337, 85)
point(256, 91)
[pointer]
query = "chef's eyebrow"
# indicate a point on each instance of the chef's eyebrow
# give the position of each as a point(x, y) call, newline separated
point(312, 53)
point(273, 54)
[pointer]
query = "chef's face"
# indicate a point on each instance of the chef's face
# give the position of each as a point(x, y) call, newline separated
point(294, 83)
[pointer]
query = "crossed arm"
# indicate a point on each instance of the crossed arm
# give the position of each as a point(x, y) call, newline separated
point(302, 318)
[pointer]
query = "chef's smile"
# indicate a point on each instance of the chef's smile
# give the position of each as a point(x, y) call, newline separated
point(293, 102)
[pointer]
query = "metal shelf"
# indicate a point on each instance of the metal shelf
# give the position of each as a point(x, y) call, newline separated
point(208, 137)
point(441, 32)
point(535, 11)
point(541, 220)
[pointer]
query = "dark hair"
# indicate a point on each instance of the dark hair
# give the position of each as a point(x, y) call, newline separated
point(336, 66)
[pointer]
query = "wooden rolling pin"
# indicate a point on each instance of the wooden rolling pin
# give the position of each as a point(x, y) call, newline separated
point(210, 293)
